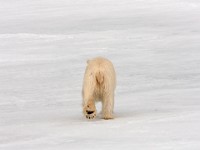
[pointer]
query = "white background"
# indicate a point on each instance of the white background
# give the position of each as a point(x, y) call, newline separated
point(154, 46)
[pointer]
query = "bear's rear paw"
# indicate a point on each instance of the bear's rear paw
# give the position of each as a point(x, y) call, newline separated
point(90, 112)
point(108, 116)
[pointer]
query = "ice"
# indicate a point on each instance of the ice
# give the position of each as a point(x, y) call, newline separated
point(154, 46)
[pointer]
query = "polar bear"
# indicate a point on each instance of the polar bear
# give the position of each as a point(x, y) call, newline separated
point(99, 85)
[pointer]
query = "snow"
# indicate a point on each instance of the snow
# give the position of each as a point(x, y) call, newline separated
point(154, 46)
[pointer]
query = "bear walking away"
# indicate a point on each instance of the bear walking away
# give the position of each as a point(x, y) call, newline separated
point(99, 85)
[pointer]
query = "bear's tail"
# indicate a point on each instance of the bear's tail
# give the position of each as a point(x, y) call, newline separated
point(99, 77)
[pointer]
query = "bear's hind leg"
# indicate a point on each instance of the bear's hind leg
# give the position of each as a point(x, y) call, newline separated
point(107, 107)
point(89, 109)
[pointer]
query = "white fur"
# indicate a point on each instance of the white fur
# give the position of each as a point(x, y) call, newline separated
point(99, 85)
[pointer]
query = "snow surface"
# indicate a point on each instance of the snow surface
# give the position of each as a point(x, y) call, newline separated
point(154, 45)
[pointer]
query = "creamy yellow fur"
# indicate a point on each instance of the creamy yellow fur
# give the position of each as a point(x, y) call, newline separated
point(99, 85)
